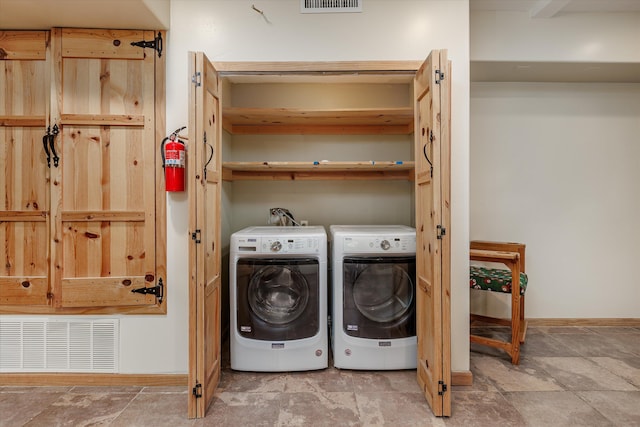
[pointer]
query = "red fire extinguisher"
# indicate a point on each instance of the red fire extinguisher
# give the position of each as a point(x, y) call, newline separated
point(173, 161)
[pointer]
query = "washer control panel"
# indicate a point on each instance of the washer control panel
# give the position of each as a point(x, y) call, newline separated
point(279, 245)
point(383, 244)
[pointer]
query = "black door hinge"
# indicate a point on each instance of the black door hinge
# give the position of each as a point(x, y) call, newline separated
point(442, 388)
point(155, 44)
point(196, 79)
point(440, 231)
point(197, 390)
point(157, 290)
point(439, 76)
point(196, 236)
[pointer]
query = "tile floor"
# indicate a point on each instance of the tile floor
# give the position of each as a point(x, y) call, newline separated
point(568, 376)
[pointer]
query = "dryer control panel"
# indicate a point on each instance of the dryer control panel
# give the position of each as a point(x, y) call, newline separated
point(379, 244)
point(279, 245)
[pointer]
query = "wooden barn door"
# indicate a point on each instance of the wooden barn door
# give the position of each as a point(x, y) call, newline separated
point(204, 165)
point(431, 88)
point(104, 185)
point(24, 192)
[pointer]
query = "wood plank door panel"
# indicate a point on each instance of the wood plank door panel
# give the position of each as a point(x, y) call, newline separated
point(104, 189)
point(205, 192)
point(432, 294)
point(24, 193)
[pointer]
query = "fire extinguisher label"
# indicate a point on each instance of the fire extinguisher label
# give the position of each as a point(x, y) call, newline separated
point(174, 158)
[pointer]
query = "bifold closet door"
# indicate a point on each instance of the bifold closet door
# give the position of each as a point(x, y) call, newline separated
point(205, 195)
point(433, 311)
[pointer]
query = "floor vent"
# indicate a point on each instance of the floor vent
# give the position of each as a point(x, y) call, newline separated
point(48, 345)
point(330, 6)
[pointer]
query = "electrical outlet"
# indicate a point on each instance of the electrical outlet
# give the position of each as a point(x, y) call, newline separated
point(304, 222)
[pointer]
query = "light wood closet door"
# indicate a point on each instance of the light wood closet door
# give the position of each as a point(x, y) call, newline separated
point(205, 192)
point(24, 200)
point(103, 191)
point(433, 316)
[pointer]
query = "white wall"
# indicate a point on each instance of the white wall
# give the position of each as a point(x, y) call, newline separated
point(567, 37)
point(398, 30)
point(556, 165)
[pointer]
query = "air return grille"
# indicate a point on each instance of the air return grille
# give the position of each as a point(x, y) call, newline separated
point(330, 6)
point(44, 345)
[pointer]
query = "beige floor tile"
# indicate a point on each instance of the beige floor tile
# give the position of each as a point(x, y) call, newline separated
point(106, 389)
point(252, 382)
point(622, 408)
point(318, 409)
point(546, 345)
point(579, 373)
point(16, 409)
point(483, 409)
point(507, 377)
point(395, 409)
point(556, 330)
point(555, 408)
point(235, 409)
point(328, 380)
point(155, 409)
point(627, 368)
point(181, 389)
point(613, 329)
point(88, 409)
point(385, 381)
point(597, 345)
point(626, 342)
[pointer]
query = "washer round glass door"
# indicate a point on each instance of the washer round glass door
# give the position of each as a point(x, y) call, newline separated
point(383, 293)
point(278, 294)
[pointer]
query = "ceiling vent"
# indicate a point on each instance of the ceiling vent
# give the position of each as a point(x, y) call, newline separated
point(330, 6)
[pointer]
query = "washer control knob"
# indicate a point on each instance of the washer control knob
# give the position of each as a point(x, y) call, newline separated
point(276, 246)
point(385, 245)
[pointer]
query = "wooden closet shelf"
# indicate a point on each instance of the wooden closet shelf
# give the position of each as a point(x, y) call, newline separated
point(394, 121)
point(319, 170)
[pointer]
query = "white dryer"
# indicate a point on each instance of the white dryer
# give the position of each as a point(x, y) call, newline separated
point(278, 297)
point(373, 309)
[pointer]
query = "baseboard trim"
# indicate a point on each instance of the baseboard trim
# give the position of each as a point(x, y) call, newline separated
point(628, 321)
point(461, 378)
point(78, 379)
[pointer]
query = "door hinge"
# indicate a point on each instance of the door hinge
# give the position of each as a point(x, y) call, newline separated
point(442, 388)
point(196, 79)
point(439, 76)
point(196, 236)
point(440, 231)
point(197, 390)
point(157, 290)
point(155, 44)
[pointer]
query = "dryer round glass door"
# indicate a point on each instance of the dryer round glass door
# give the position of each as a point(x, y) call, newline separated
point(383, 292)
point(378, 296)
point(278, 294)
point(277, 299)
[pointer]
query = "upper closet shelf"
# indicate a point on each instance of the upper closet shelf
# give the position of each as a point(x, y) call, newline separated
point(318, 170)
point(297, 121)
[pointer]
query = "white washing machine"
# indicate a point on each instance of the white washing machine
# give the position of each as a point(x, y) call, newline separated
point(278, 297)
point(374, 292)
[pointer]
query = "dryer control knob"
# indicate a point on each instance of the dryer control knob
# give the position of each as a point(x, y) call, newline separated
point(385, 245)
point(276, 246)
